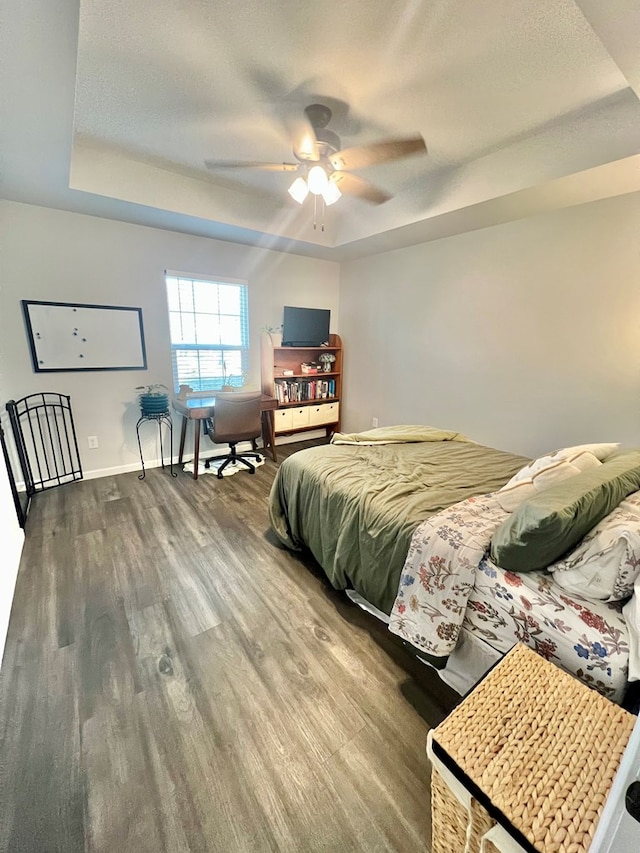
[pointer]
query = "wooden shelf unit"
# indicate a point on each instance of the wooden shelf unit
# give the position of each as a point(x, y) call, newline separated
point(300, 415)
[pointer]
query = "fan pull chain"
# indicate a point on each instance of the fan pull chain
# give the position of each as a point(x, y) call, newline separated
point(315, 212)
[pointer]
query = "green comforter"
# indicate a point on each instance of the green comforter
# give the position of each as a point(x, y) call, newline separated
point(355, 507)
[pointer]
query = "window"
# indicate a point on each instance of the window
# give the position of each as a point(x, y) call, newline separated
point(209, 322)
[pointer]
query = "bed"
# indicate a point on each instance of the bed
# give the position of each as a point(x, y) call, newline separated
point(362, 510)
point(356, 506)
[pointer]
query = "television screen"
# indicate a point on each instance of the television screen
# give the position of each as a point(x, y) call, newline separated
point(305, 327)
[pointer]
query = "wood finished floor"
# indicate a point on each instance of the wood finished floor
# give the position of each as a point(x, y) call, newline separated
point(174, 681)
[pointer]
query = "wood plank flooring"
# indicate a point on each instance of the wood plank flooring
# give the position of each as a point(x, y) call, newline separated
point(173, 680)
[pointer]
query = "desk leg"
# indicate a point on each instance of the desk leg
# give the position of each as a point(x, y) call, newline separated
point(183, 435)
point(271, 429)
point(196, 448)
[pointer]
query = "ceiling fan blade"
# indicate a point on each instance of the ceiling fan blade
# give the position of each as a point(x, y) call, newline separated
point(378, 152)
point(251, 164)
point(354, 185)
point(303, 137)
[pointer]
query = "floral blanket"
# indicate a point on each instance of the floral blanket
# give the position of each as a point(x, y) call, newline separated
point(449, 584)
point(439, 573)
point(588, 639)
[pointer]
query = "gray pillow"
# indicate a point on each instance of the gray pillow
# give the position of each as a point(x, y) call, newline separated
point(545, 527)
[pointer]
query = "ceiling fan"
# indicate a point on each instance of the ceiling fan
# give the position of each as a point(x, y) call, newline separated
point(326, 168)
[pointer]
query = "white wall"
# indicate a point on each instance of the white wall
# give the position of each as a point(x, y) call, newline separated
point(59, 256)
point(11, 538)
point(525, 336)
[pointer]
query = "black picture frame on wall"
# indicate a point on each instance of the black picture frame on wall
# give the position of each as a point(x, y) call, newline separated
point(73, 336)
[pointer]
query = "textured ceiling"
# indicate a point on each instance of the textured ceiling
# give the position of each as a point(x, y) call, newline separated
point(187, 81)
point(511, 96)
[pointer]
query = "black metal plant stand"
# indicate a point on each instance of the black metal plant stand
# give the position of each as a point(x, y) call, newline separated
point(160, 418)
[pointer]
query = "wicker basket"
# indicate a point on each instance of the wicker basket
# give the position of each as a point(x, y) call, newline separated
point(456, 826)
point(541, 746)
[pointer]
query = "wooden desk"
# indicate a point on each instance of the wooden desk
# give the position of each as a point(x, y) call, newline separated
point(198, 408)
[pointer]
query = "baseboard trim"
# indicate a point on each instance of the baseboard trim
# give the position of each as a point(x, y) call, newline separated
point(96, 473)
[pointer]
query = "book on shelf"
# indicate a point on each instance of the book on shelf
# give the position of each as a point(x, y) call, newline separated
point(304, 390)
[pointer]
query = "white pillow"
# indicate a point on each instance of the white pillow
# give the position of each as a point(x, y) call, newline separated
point(542, 473)
point(600, 451)
point(606, 563)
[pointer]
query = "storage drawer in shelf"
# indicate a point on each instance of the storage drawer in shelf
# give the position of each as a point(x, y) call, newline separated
point(283, 420)
point(325, 413)
point(300, 417)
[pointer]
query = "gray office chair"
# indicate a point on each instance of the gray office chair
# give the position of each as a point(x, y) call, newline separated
point(237, 417)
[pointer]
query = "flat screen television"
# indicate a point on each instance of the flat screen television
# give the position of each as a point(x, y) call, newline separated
point(305, 327)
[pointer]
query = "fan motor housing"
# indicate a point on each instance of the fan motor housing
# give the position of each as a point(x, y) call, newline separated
point(327, 140)
point(319, 116)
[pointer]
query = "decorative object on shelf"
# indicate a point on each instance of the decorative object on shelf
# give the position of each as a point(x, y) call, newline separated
point(327, 359)
point(153, 399)
point(275, 333)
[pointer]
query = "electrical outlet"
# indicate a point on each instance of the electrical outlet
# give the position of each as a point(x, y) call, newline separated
point(92, 441)
point(374, 422)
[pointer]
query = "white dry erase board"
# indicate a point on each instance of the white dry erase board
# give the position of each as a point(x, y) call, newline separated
point(67, 336)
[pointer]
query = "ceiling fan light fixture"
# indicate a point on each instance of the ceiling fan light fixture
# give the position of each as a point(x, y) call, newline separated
point(299, 190)
point(331, 193)
point(317, 180)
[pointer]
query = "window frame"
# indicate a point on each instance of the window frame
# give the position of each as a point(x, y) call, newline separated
point(215, 383)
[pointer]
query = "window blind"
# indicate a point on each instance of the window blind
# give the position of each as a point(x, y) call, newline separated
point(209, 325)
